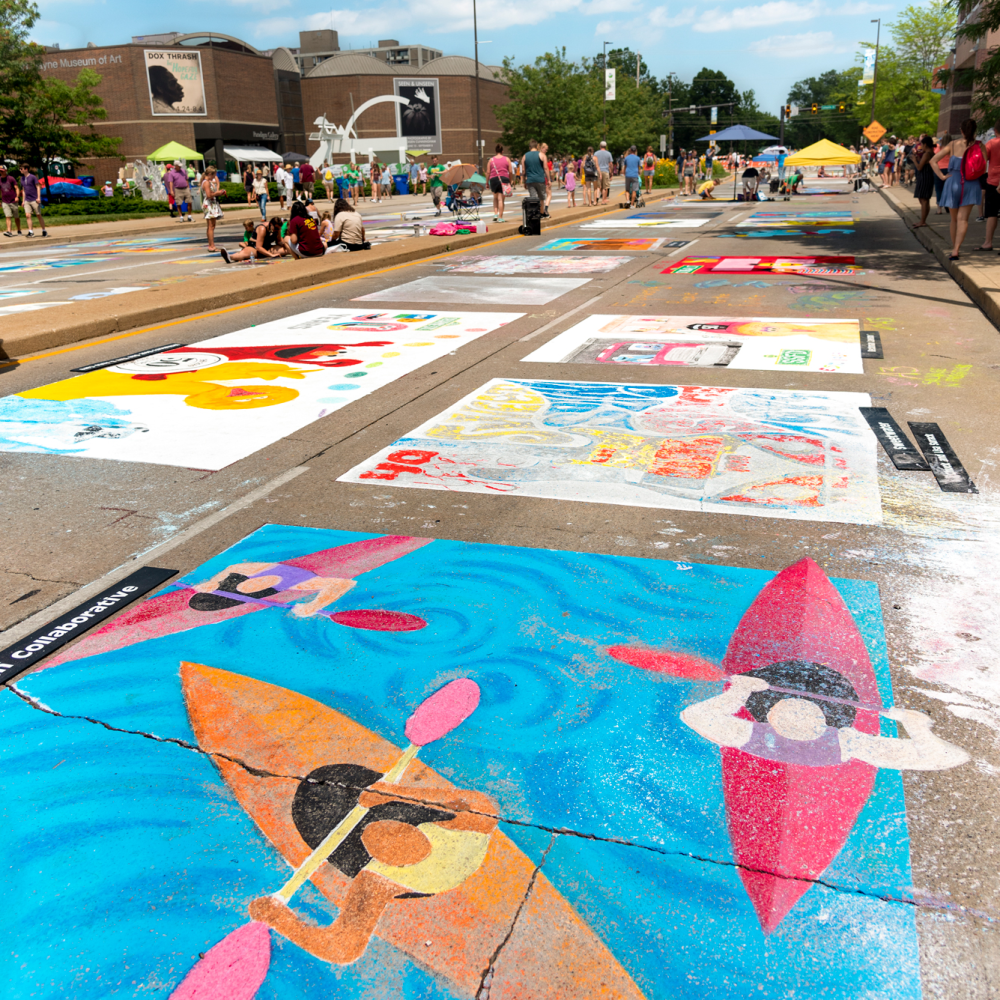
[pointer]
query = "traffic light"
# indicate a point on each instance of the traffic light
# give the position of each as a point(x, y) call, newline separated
point(788, 111)
point(841, 108)
point(815, 109)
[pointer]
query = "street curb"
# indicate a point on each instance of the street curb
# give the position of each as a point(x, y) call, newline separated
point(983, 289)
point(62, 325)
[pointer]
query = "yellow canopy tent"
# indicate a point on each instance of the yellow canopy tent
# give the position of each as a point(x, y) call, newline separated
point(173, 151)
point(822, 154)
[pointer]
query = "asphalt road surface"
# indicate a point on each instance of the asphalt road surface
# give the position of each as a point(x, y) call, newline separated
point(679, 491)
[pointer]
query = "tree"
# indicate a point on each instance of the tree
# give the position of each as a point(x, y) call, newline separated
point(20, 64)
point(50, 107)
point(922, 36)
point(553, 100)
point(904, 102)
point(832, 87)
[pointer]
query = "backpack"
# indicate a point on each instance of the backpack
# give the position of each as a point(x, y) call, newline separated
point(589, 167)
point(650, 162)
point(973, 162)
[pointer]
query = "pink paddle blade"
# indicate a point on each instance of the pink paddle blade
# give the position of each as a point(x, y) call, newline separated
point(691, 668)
point(439, 714)
point(231, 970)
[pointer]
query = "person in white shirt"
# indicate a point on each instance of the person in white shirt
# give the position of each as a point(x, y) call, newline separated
point(279, 179)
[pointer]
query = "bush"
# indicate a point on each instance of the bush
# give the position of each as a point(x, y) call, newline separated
point(106, 206)
point(665, 174)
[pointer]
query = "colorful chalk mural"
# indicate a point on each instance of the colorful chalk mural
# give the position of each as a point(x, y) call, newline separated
point(767, 453)
point(762, 344)
point(506, 290)
point(210, 404)
point(436, 769)
point(607, 244)
point(518, 264)
point(781, 219)
point(681, 222)
point(829, 266)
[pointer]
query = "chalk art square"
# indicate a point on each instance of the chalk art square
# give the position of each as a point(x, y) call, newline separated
point(596, 678)
point(518, 264)
point(766, 453)
point(209, 404)
point(687, 222)
point(604, 243)
point(478, 291)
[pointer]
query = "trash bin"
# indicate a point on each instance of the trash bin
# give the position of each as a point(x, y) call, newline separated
point(402, 183)
point(531, 211)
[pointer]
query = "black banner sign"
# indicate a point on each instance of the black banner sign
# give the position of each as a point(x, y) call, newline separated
point(40, 643)
point(125, 357)
point(893, 439)
point(944, 463)
point(871, 344)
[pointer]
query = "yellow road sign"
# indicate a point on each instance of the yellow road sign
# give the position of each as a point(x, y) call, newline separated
point(874, 131)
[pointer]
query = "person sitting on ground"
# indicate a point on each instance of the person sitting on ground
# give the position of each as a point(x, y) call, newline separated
point(348, 227)
point(266, 242)
point(705, 190)
point(302, 236)
point(325, 228)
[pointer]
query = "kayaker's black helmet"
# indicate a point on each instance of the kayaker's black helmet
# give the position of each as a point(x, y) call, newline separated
point(808, 678)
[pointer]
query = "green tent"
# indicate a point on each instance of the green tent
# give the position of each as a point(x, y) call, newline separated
point(174, 151)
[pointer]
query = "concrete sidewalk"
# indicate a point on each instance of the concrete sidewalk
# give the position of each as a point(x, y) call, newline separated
point(59, 325)
point(976, 272)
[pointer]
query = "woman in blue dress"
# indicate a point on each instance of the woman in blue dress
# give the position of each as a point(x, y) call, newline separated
point(959, 196)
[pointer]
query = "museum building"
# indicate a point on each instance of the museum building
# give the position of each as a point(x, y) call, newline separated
point(230, 101)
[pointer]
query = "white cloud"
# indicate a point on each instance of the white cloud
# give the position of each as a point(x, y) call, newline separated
point(809, 43)
point(760, 16)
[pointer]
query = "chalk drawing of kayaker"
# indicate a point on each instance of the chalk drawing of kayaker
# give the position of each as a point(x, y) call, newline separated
point(404, 849)
point(803, 713)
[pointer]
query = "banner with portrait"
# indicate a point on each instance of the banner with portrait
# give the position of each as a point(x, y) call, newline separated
point(419, 123)
point(176, 84)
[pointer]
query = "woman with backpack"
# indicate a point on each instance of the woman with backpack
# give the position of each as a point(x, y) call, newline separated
point(590, 173)
point(648, 169)
point(961, 192)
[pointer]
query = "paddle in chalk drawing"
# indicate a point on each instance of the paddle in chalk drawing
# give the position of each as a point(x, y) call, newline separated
point(798, 724)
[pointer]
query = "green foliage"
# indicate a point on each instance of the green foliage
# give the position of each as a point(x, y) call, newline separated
point(100, 206)
point(832, 87)
point(922, 36)
point(904, 103)
point(665, 175)
point(20, 62)
point(977, 20)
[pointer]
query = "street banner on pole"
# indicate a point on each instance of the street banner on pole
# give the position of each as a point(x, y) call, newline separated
point(663, 144)
point(609, 85)
point(868, 70)
point(714, 120)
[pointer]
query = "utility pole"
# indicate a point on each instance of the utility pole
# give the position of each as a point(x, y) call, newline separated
point(878, 31)
point(638, 63)
point(479, 120)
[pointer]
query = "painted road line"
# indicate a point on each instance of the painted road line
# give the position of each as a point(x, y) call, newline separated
point(154, 552)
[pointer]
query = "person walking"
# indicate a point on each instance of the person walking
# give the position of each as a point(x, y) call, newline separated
point(211, 209)
point(176, 183)
point(536, 178)
point(543, 152)
point(279, 180)
point(437, 185)
point(288, 180)
point(329, 181)
point(689, 166)
point(648, 169)
point(498, 173)
point(631, 164)
point(387, 181)
point(375, 172)
point(604, 161)
point(590, 173)
point(10, 196)
point(923, 187)
point(992, 196)
point(961, 192)
point(569, 182)
point(421, 179)
point(248, 183)
point(307, 173)
point(30, 198)
point(942, 162)
point(296, 178)
point(260, 193)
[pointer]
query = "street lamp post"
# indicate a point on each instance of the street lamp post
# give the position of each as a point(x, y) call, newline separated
point(878, 32)
point(604, 127)
point(479, 120)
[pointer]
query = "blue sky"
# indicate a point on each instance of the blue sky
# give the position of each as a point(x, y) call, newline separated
point(766, 45)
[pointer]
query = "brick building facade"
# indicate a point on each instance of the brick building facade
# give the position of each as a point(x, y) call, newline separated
point(342, 83)
point(241, 101)
point(957, 98)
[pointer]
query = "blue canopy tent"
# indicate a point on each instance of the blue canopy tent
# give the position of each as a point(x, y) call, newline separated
point(736, 133)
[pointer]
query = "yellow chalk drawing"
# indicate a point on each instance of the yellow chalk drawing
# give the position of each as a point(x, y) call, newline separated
point(455, 855)
point(941, 376)
point(200, 393)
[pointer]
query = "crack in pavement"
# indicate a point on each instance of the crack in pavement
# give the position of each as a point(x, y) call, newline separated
point(929, 903)
point(486, 981)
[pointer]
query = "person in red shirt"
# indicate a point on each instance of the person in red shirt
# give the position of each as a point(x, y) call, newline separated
point(992, 199)
point(302, 236)
point(307, 177)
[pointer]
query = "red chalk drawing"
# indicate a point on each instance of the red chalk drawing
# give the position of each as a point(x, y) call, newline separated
point(439, 714)
point(692, 668)
point(233, 969)
point(379, 621)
